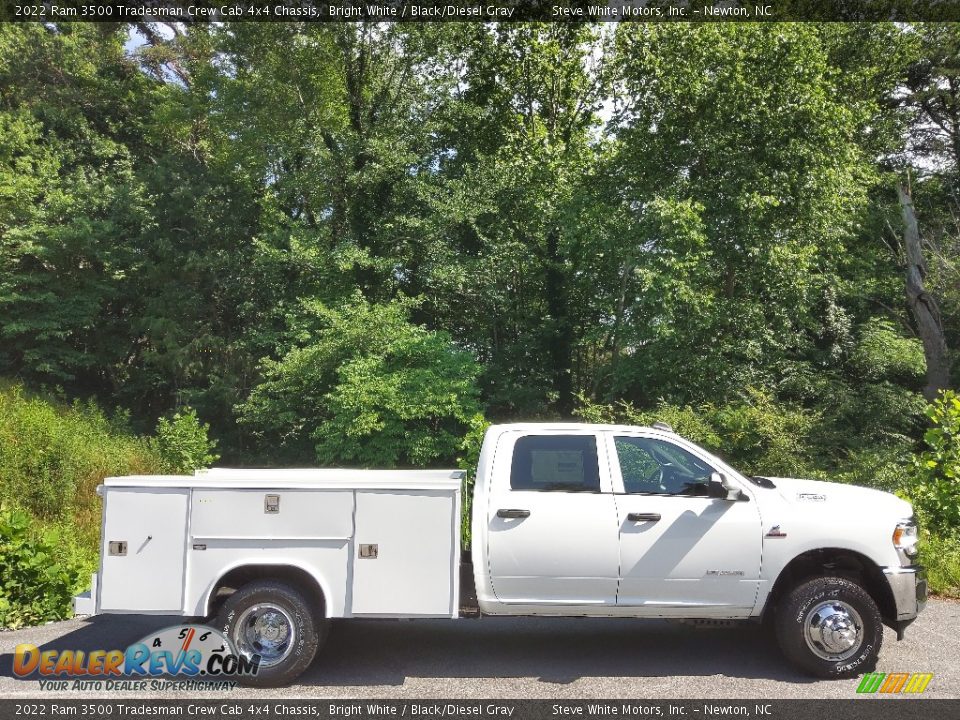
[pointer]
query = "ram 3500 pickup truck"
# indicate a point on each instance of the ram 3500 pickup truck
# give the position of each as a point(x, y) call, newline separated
point(567, 519)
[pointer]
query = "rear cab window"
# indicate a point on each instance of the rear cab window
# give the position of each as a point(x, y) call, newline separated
point(555, 463)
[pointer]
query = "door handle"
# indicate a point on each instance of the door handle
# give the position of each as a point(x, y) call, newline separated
point(513, 513)
point(640, 517)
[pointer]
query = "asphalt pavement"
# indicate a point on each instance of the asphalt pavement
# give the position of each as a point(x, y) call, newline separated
point(572, 658)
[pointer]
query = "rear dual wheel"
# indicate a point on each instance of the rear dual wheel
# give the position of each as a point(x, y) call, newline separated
point(275, 621)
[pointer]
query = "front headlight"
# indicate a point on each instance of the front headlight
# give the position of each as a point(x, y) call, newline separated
point(905, 537)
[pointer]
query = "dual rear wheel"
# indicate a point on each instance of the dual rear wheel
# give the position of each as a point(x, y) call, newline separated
point(277, 622)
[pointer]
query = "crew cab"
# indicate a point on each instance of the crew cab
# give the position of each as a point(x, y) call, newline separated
point(567, 519)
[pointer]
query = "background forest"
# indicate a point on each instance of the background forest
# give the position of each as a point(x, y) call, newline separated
point(356, 244)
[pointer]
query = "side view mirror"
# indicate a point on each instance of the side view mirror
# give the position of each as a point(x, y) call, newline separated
point(732, 492)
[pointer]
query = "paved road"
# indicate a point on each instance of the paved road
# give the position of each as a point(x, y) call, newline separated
point(538, 658)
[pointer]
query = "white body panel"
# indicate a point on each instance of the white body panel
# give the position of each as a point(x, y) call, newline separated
point(702, 555)
point(220, 514)
point(326, 561)
point(564, 552)
point(826, 515)
point(149, 576)
point(201, 527)
point(416, 570)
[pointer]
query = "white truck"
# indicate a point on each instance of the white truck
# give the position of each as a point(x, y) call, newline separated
point(567, 519)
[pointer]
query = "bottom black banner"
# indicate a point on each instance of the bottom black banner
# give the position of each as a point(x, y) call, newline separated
point(875, 708)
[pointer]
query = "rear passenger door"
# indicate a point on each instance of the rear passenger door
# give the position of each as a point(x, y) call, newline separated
point(552, 520)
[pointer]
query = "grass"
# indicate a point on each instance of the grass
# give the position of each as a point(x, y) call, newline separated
point(52, 457)
point(941, 557)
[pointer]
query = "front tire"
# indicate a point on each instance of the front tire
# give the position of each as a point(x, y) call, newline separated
point(275, 621)
point(830, 627)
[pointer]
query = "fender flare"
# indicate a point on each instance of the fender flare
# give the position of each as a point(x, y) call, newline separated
point(322, 584)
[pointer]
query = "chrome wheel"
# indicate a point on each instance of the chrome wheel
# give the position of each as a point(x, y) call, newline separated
point(833, 630)
point(267, 630)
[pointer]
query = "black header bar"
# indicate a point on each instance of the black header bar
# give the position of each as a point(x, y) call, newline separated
point(481, 10)
point(118, 707)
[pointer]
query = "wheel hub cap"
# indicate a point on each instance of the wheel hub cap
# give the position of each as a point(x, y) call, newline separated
point(266, 630)
point(833, 630)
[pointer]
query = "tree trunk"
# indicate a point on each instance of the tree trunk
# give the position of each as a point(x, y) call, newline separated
point(926, 314)
point(561, 344)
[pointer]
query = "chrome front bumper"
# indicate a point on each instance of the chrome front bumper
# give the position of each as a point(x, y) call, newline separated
point(909, 588)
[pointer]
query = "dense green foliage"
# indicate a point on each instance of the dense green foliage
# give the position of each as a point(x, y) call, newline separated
point(367, 387)
point(182, 444)
point(935, 486)
point(356, 243)
point(52, 457)
point(941, 557)
point(661, 212)
point(40, 571)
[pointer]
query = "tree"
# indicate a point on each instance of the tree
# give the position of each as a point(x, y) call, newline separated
point(932, 139)
point(636, 213)
point(70, 202)
point(365, 386)
point(924, 307)
point(933, 97)
point(738, 163)
point(935, 486)
point(182, 444)
point(518, 150)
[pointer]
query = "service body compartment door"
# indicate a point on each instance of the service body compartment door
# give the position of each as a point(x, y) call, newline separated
point(406, 553)
point(552, 522)
point(143, 547)
point(276, 514)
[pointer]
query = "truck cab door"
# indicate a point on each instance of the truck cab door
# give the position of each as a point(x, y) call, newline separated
point(685, 550)
point(552, 520)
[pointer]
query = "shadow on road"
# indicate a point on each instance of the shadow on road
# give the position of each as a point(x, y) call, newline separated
point(554, 650)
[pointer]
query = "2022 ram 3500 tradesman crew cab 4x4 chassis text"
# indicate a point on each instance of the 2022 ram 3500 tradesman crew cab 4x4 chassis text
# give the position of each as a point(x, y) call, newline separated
point(567, 519)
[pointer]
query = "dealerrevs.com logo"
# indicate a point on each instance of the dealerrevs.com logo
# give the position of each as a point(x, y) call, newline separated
point(894, 683)
point(198, 654)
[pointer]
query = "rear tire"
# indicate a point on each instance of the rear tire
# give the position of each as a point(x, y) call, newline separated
point(830, 627)
point(276, 621)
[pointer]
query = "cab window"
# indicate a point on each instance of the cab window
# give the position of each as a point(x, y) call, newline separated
point(558, 463)
point(658, 467)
